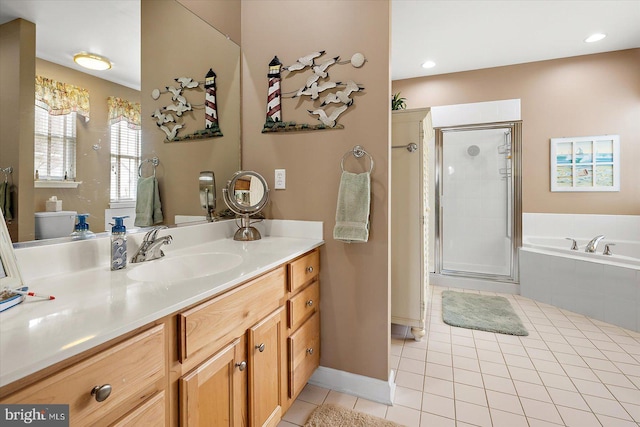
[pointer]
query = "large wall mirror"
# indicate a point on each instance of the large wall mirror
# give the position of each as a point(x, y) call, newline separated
point(172, 42)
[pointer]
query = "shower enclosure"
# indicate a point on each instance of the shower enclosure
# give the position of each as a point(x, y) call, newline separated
point(478, 203)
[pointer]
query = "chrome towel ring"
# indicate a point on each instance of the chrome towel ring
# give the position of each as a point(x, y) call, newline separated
point(357, 152)
point(154, 161)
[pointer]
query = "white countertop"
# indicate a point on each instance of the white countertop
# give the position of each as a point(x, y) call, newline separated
point(95, 305)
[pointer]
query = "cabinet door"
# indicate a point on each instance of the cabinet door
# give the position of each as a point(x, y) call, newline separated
point(215, 393)
point(267, 369)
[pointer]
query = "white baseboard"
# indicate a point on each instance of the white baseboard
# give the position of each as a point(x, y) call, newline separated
point(356, 385)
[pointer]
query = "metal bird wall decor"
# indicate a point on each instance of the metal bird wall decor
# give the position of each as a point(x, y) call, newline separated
point(173, 113)
point(318, 89)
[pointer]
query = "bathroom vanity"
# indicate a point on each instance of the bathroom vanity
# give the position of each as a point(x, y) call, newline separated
point(233, 348)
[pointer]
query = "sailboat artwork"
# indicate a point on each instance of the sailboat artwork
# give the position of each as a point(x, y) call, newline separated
point(328, 99)
point(168, 118)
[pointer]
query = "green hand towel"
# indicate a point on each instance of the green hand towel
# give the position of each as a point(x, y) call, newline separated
point(148, 206)
point(352, 211)
point(5, 200)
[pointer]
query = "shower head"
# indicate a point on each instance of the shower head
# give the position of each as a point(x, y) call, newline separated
point(473, 150)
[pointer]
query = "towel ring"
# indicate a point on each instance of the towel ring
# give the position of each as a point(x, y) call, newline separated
point(154, 161)
point(357, 152)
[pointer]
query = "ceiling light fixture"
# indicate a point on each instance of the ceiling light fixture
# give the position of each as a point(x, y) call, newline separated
point(92, 61)
point(595, 37)
point(428, 64)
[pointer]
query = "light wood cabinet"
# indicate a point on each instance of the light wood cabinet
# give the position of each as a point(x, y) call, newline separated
point(214, 394)
point(267, 369)
point(237, 360)
point(303, 320)
point(132, 370)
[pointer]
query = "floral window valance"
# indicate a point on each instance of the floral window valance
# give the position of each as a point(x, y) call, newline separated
point(61, 98)
point(121, 109)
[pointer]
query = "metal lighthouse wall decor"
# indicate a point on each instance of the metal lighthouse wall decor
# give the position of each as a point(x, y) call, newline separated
point(169, 118)
point(318, 90)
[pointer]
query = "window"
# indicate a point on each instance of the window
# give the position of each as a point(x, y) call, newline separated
point(125, 159)
point(55, 145)
point(126, 147)
point(57, 106)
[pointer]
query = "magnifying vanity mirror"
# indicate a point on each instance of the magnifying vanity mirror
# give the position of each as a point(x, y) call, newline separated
point(246, 194)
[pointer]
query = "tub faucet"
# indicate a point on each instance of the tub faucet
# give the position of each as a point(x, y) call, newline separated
point(151, 246)
point(593, 244)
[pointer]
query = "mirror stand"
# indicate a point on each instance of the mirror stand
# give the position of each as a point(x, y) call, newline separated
point(246, 194)
point(246, 232)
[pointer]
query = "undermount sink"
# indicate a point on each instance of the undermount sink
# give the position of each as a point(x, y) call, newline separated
point(184, 267)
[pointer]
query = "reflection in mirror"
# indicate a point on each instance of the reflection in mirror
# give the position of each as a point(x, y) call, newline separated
point(246, 194)
point(159, 64)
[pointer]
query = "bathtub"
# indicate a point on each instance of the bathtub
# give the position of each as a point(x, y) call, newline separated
point(603, 287)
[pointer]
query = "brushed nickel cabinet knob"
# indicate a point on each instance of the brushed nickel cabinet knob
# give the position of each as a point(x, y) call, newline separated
point(101, 392)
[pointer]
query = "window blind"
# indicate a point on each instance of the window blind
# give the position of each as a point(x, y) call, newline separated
point(55, 145)
point(125, 159)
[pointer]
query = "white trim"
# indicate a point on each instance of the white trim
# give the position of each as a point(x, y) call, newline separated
point(476, 113)
point(355, 385)
point(122, 204)
point(56, 184)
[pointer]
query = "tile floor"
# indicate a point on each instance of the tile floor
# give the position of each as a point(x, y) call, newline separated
point(571, 370)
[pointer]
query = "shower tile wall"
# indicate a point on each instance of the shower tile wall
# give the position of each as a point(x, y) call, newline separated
point(474, 203)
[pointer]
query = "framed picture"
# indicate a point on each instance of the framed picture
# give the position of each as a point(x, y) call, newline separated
point(585, 163)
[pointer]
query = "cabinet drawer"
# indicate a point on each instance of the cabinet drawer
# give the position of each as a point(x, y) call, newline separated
point(134, 368)
point(303, 270)
point(304, 354)
point(207, 327)
point(151, 413)
point(303, 305)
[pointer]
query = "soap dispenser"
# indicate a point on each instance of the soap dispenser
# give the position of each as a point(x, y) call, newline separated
point(118, 243)
point(81, 230)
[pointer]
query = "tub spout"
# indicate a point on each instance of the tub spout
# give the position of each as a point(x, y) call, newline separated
point(593, 244)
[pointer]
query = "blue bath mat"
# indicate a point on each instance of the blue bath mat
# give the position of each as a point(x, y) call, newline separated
point(482, 312)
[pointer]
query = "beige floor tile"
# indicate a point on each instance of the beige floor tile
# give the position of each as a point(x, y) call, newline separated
point(524, 375)
point(467, 377)
point(500, 384)
point(439, 358)
point(408, 397)
point(611, 408)
point(413, 366)
point(414, 353)
point(438, 386)
point(614, 378)
point(402, 415)
point(540, 410)
point(438, 405)
point(592, 388)
point(581, 373)
point(299, 412)
point(473, 414)
point(372, 408)
point(313, 394)
point(615, 422)
point(532, 391)
point(557, 381)
point(439, 371)
point(467, 363)
point(577, 418)
point(497, 369)
point(570, 399)
point(633, 410)
point(432, 420)
point(507, 419)
point(409, 380)
point(343, 399)
point(504, 402)
point(470, 394)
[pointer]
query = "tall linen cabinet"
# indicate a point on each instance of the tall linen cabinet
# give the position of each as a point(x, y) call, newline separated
point(409, 218)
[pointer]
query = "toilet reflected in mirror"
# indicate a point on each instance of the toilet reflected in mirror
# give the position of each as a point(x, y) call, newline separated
point(246, 194)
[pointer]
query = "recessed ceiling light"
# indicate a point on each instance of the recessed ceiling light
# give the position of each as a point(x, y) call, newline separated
point(92, 61)
point(595, 37)
point(428, 64)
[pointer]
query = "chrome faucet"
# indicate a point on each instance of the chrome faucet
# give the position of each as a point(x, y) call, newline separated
point(151, 246)
point(593, 244)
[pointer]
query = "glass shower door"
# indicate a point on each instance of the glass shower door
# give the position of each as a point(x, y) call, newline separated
point(476, 202)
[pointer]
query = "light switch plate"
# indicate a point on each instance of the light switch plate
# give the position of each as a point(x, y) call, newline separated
point(281, 179)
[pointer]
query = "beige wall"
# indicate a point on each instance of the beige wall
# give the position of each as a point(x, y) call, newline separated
point(189, 51)
point(224, 15)
point(93, 167)
point(579, 96)
point(17, 85)
point(354, 277)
